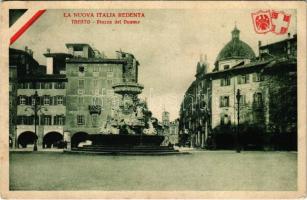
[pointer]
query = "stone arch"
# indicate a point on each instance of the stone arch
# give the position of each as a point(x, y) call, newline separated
point(25, 138)
point(52, 139)
point(78, 137)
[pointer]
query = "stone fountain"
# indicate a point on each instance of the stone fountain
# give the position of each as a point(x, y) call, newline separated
point(131, 123)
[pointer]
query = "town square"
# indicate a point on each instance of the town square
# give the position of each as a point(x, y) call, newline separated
point(164, 104)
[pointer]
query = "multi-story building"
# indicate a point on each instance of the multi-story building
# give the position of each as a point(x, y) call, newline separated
point(50, 106)
point(92, 101)
point(21, 63)
point(165, 122)
point(12, 103)
point(259, 80)
point(194, 118)
point(174, 132)
point(42, 92)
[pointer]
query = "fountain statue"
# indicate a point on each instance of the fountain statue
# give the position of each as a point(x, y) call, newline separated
point(130, 127)
point(131, 119)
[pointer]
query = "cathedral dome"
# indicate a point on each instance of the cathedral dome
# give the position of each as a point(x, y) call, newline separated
point(235, 48)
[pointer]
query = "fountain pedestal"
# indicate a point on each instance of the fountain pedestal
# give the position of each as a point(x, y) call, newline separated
point(131, 129)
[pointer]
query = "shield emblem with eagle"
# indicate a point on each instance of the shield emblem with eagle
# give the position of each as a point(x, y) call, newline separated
point(262, 21)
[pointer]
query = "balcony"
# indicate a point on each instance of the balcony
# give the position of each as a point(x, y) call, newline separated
point(95, 109)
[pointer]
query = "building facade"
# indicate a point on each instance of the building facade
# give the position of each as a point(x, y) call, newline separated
point(21, 63)
point(259, 80)
point(50, 106)
point(92, 101)
point(194, 121)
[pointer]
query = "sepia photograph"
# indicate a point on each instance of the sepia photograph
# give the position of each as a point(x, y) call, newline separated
point(155, 99)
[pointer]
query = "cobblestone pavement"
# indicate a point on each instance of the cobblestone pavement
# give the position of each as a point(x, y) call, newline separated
point(200, 170)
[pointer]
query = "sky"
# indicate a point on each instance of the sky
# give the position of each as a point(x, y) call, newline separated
point(167, 43)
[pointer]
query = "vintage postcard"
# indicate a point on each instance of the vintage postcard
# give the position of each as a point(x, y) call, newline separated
point(153, 99)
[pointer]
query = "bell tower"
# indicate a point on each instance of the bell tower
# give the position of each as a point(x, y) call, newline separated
point(235, 33)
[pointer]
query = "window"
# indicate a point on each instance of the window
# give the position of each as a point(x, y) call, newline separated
point(258, 99)
point(37, 85)
point(23, 85)
point(60, 100)
point(81, 84)
point(96, 92)
point(81, 69)
point(110, 82)
point(22, 100)
point(225, 81)
point(95, 120)
point(25, 120)
point(96, 101)
point(95, 86)
point(95, 68)
point(46, 120)
point(95, 83)
point(257, 77)
point(78, 48)
point(225, 119)
point(31, 85)
point(11, 73)
point(46, 85)
point(59, 85)
point(243, 79)
point(59, 120)
point(110, 69)
point(33, 101)
point(109, 75)
point(46, 100)
point(103, 91)
point(226, 67)
point(243, 100)
point(224, 101)
point(80, 120)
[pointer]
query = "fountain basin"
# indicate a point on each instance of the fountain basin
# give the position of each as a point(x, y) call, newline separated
point(126, 140)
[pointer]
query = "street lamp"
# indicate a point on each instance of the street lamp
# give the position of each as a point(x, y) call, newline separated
point(35, 108)
point(238, 96)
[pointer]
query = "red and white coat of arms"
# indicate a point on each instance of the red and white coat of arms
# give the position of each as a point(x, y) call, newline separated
point(271, 21)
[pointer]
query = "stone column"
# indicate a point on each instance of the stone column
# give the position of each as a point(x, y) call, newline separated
point(203, 135)
point(67, 138)
point(192, 140)
point(200, 138)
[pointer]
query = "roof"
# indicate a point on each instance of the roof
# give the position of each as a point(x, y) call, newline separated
point(63, 55)
point(258, 64)
point(97, 60)
point(44, 78)
point(235, 48)
point(77, 44)
point(294, 38)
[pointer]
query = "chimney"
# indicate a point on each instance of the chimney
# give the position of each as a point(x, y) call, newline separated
point(259, 45)
point(31, 52)
point(49, 62)
point(49, 65)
